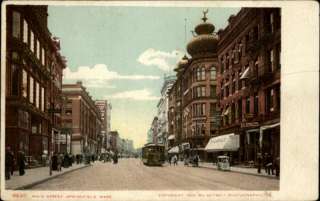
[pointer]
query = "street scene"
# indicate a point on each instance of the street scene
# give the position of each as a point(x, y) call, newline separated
point(107, 98)
point(131, 174)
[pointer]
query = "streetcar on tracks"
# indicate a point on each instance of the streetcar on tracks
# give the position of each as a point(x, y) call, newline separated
point(153, 154)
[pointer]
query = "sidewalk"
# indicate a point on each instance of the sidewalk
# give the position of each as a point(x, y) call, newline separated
point(251, 171)
point(35, 176)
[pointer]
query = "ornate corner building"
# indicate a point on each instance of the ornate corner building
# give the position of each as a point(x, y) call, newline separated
point(230, 85)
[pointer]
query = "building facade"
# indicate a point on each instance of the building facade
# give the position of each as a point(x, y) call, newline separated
point(163, 107)
point(154, 130)
point(105, 110)
point(83, 118)
point(193, 100)
point(249, 80)
point(33, 82)
point(114, 137)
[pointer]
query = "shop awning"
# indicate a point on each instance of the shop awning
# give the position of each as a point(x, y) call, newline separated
point(229, 142)
point(269, 126)
point(171, 137)
point(174, 150)
point(245, 74)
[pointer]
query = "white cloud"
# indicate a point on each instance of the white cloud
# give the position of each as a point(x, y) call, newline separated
point(163, 60)
point(100, 73)
point(139, 95)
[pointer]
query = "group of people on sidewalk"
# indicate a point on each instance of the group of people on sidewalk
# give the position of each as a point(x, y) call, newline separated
point(270, 164)
point(11, 162)
point(62, 160)
point(193, 160)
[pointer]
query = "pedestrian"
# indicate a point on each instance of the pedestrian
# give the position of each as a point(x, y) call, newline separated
point(269, 168)
point(59, 162)
point(175, 160)
point(9, 163)
point(115, 158)
point(21, 162)
point(65, 161)
point(259, 160)
point(186, 160)
point(196, 160)
point(55, 161)
point(78, 158)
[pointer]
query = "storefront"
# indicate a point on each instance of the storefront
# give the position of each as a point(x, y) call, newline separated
point(223, 145)
point(270, 139)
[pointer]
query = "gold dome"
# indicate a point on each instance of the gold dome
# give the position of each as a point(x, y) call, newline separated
point(205, 41)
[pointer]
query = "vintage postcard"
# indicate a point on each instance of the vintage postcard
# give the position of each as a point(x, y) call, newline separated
point(185, 100)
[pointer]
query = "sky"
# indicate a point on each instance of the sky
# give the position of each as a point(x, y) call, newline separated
point(122, 54)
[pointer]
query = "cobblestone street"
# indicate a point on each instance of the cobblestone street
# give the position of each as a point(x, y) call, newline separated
point(131, 174)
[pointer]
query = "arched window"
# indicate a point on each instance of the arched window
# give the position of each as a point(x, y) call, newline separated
point(198, 74)
point(213, 73)
point(203, 73)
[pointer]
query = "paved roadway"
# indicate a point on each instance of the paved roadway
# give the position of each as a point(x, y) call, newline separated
point(131, 174)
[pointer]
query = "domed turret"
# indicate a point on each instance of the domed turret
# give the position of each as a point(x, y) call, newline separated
point(205, 41)
point(182, 64)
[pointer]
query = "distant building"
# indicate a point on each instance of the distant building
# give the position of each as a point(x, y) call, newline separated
point(114, 138)
point(34, 68)
point(105, 110)
point(83, 117)
point(162, 106)
point(154, 130)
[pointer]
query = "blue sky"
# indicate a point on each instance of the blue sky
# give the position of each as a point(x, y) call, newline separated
point(122, 53)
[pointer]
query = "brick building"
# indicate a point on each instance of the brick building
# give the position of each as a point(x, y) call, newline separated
point(249, 80)
point(83, 117)
point(33, 82)
point(194, 100)
point(230, 86)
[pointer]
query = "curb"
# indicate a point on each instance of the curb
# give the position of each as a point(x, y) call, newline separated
point(47, 179)
point(248, 173)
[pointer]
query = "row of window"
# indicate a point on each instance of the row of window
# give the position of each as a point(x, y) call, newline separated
point(28, 36)
point(32, 90)
point(233, 112)
point(200, 91)
point(233, 56)
point(199, 74)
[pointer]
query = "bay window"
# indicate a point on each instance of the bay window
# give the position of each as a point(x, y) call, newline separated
point(213, 73)
point(42, 99)
point(31, 41)
point(25, 31)
point(31, 87)
point(24, 83)
point(37, 94)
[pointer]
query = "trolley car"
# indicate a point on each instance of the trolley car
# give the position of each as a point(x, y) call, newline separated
point(153, 154)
